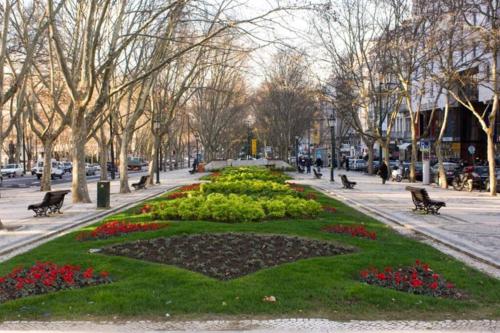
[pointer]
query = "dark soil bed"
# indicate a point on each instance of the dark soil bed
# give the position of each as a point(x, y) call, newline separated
point(226, 256)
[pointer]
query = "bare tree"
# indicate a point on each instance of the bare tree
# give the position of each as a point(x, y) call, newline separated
point(286, 102)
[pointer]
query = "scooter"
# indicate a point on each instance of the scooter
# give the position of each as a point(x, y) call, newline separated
point(400, 173)
point(463, 180)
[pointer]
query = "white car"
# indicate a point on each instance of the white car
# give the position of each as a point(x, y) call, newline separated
point(89, 169)
point(12, 170)
point(55, 170)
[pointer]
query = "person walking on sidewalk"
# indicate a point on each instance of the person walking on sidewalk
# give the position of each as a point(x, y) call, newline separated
point(383, 172)
point(319, 164)
point(308, 164)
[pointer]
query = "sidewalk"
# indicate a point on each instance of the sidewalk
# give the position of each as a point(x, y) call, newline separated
point(294, 325)
point(24, 230)
point(470, 222)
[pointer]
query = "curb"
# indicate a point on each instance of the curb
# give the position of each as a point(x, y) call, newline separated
point(51, 235)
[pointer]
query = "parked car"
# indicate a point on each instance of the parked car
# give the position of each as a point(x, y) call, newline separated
point(418, 170)
point(450, 169)
point(89, 169)
point(97, 167)
point(110, 167)
point(357, 164)
point(12, 170)
point(55, 169)
point(67, 166)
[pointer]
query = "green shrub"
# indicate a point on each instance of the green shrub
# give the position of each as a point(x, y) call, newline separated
point(249, 187)
point(234, 208)
point(249, 173)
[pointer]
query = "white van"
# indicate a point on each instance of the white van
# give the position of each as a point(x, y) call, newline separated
point(56, 170)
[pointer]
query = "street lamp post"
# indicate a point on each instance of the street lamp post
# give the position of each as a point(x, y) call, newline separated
point(156, 127)
point(297, 151)
point(331, 123)
point(197, 136)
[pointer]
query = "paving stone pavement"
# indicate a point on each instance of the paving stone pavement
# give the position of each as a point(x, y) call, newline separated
point(25, 231)
point(271, 326)
point(470, 222)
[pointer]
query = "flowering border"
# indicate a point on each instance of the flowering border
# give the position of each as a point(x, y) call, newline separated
point(353, 230)
point(118, 228)
point(417, 279)
point(45, 277)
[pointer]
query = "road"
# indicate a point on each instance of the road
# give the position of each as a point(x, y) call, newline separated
point(32, 181)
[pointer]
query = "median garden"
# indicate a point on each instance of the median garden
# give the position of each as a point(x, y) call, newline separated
point(244, 242)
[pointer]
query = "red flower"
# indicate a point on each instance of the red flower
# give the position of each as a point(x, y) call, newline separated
point(450, 285)
point(364, 274)
point(19, 285)
point(88, 273)
point(2, 280)
point(381, 276)
point(435, 276)
point(434, 285)
point(417, 262)
point(416, 283)
point(104, 274)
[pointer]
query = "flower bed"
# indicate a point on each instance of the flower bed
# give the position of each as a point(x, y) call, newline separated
point(226, 256)
point(417, 279)
point(47, 277)
point(329, 209)
point(234, 208)
point(176, 195)
point(118, 228)
point(296, 187)
point(353, 230)
point(192, 187)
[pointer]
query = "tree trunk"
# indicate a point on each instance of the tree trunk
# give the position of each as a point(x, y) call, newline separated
point(80, 192)
point(413, 153)
point(19, 140)
point(152, 161)
point(103, 160)
point(124, 188)
point(45, 184)
point(443, 182)
point(491, 162)
point(371, 156)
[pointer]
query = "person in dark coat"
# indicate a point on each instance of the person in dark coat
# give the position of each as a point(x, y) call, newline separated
point(383, 172)
point(308, 164)
point(319, 164)
point(346, 164)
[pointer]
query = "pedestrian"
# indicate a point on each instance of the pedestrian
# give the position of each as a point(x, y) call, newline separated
point(308, 164)
point(342, 162)
point(195, 164)
point(319, 164)
point(383, 172)
point(346, 164)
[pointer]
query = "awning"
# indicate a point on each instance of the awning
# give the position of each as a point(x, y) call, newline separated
point(404, 146)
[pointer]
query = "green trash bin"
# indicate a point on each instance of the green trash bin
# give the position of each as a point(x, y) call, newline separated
point(103, 194)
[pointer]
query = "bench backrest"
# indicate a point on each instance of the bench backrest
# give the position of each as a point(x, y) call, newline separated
point(143, 180)
point(418, 193)
point(344, 179)
point(56, 196)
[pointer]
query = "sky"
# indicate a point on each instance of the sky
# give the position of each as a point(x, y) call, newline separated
point(285, 29)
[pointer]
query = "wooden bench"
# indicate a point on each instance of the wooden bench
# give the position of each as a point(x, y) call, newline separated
point(141, 184)
point(51, 203)
point(346, 183)
point(317, 174)
point(423, 202)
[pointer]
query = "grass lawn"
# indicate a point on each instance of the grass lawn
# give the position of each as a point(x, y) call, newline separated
point(326, 287)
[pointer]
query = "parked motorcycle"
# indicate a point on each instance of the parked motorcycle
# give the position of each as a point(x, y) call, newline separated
point(400, 173)
point(463, 180)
